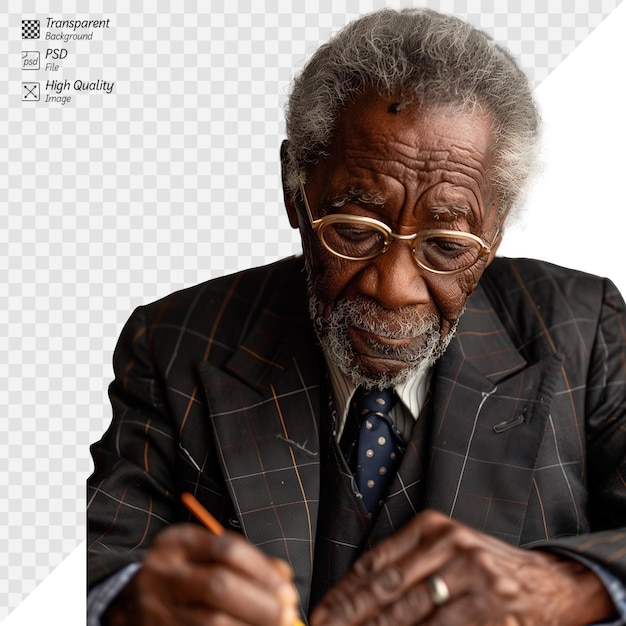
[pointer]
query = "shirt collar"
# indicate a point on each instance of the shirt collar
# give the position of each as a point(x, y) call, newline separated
point(412, 393)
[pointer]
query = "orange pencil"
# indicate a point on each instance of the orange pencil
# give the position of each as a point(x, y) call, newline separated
point(209, 521)
point(202, 514)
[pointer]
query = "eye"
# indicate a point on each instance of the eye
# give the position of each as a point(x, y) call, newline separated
point(353, 240)
point(448, 253)
point(352, 232)
point(448, 246)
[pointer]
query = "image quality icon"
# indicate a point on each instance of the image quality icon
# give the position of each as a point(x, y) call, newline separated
point(30, 92)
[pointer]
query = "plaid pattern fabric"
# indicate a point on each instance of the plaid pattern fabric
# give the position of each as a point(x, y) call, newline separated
point(219, 390)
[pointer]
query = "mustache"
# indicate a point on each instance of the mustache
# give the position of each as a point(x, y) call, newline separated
point(417, 328)
point(366, 314)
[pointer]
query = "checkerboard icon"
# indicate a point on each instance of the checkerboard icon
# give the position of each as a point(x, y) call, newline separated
point(30, 29)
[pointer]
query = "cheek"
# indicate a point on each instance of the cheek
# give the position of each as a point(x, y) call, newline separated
point(330, 275)
point(451, 294)
point(330, 287)
point(334, 278)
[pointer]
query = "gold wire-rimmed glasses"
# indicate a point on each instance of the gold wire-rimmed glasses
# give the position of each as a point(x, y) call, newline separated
point(360, 238)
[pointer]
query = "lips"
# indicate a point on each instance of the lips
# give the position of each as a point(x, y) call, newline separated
point(383, 340)
point(369, 347)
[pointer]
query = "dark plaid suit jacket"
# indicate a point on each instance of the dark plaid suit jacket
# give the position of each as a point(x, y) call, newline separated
point(220, 390)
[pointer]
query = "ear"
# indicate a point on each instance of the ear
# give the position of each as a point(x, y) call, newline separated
point(290, 205)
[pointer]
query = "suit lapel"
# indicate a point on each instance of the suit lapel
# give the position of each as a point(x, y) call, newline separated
point(490, 410)
point(265, 406)
point(343, 521)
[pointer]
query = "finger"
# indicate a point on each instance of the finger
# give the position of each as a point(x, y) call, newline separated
point(463, 612)
point(450, 550)
point(192, 566)
point(227, 591)
point(470, 605)
point(283, 568)
point(189, 616)
point(427, 598)
point(419, 603)
point(425, 528)
point(191, 542)
point(390, 598)
point(400, 571)
point(414, 606)
point(194, 616)
point(468, 596)
point(440, 576)
point(207, 590)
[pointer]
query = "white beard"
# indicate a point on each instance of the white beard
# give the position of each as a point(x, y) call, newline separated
point(365, 314)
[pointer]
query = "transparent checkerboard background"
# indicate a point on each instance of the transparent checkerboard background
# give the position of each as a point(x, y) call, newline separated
point(115, 200)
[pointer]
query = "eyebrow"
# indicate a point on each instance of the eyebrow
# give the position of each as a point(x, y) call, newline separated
point(361, 196)
point(451, 211)
point(354, 194)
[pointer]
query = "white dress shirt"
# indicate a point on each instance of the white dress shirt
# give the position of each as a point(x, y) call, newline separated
point(412, 395)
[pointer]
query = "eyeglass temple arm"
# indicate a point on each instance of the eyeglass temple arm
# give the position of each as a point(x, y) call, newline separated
point(493, 241)
point(314, 223)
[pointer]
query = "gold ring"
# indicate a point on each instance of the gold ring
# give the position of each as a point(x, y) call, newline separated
point(439, 591)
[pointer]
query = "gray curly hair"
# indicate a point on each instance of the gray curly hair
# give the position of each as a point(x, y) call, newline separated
point(416, 54)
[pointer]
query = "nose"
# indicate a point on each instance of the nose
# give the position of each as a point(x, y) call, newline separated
point(394, 279)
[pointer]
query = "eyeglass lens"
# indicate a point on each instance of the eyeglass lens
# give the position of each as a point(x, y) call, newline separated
point(443, 253)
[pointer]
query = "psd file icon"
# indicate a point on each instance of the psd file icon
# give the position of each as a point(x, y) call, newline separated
point(30, 29)
point(30, 92)
point(31, 60)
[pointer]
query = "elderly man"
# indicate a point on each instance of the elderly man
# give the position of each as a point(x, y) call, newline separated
point(445, 441)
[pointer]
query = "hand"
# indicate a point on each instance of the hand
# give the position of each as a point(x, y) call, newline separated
point(490, 583)
point(191, 576)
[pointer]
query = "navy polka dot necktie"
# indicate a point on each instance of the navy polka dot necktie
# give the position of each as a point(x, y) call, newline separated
point(376, 454)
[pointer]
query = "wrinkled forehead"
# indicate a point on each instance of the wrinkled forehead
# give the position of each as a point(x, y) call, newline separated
point(380, 126)
point(408, 153)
